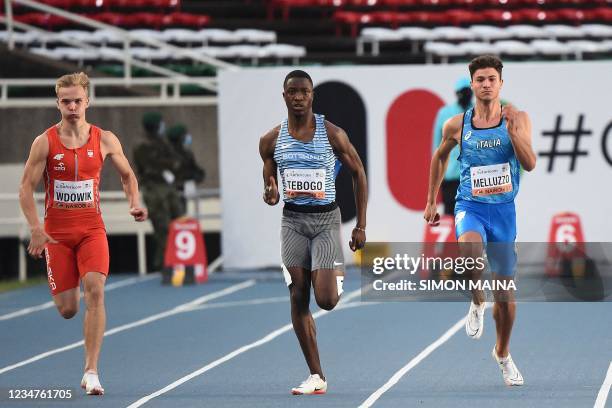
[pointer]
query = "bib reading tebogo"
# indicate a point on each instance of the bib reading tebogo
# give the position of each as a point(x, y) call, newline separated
point(73, 194)
point(310, 182)
point(492, 179)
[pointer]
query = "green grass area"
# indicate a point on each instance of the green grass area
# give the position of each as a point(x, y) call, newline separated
point(8, 285)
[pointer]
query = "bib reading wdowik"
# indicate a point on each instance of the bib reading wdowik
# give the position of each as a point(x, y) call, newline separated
point(73, 194)
point(307, 169)
point(490, 171)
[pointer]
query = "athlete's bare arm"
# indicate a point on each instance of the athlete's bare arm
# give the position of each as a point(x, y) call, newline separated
point(350, 158)
point(519, 129)
point(267, 143)
point(111, 147)
point(32, 174)
point(451, 136)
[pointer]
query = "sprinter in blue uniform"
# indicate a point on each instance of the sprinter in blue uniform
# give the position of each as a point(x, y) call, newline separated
point(494, 142)
point(307, 151)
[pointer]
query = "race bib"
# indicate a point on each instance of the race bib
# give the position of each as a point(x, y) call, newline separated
point(489, 180)
point(73, 194)
point(304, 182)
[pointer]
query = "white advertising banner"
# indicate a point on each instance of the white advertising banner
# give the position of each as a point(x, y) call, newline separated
point(569, 105)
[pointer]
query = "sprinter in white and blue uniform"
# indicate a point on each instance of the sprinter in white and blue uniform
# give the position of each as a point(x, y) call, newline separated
point(307, 151)
point(494, 143)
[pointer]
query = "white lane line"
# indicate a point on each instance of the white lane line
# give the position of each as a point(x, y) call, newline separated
point(178, 309)
point(602, 395)
point(266, 339)
point(414, 362)
point(259, 301)
point(50, 304)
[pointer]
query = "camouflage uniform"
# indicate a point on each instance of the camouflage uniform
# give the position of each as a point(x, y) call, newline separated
point(188, 168)
point(152, 159)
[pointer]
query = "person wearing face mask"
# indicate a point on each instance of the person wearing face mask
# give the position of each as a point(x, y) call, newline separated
point(189, 173)
point(450, 183)
point(157, 166)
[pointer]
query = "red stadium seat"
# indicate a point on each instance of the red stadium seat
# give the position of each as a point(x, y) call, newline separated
point(119, 4)
point(351, 18)
point(384, 18)
point(47, 21)
point(405, 18)
point(398, 3)
point(505, 4)
point(499, 17)
point(186, 20)
point(429, 17)
point(462, 17)
point(570, 15)
point(63, 4)
point(148, 20)
point(468, 3)
point(435, 3)
point(116, 19)
point(534, 16)
point(603, 14)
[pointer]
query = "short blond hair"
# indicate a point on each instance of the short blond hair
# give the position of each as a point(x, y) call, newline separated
point(74, 79)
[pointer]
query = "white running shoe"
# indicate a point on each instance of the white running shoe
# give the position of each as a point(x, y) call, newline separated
point(91, 384)
point(312, 385)
point(511, 374)
point(474, 323)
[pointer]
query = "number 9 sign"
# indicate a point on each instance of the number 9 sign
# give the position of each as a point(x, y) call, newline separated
point(185, 245)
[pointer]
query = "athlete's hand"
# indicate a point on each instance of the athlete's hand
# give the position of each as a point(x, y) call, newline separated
point(431, 215)
point(510, 113)
point(140, 214)
point(358, 239)
point(270, 195)
point(39, 241)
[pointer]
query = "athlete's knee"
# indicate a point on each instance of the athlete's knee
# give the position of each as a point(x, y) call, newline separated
point(68, 311)
point(327, 302)
point(94, 295)
point(299, 297)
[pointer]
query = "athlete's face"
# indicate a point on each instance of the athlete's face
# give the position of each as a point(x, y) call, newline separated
point(298, 96)
point(486, 84)
point(72, 102)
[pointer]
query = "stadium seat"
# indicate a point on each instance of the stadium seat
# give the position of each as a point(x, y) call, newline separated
point(430, 18)
point(282, 51)
point(416, 35)
point(463, 17)
point(597, 30)
point(374, 36)
point(524, 31)
point(19, 37)
point(477, 48)
point(218, 35)
point(105, 37)
point(453, 33)
point(498, 16)
point(143, 19)
point(514, 48)
point(551, 48)
point(148, 33)
point(580, 47)
point(185, 20)
point(442, 50)
point(489, 33)
point(116, 19)
point(570, 15)
point(79, 35)
point(255, 36)
point(564, 31)
point(351, 18)
point(181, 35)
point(149, 54)
point(534, 15)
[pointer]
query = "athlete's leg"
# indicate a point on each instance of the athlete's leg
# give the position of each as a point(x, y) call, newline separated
point(504, 312)
point(67, 302)
point(95, 318)
point(63, 279)
point(303, 323)
point(327, 261)
point(327, 285)
point(93, 260)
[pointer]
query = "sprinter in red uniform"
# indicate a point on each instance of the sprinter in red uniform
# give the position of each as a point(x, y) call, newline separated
point(69, 155)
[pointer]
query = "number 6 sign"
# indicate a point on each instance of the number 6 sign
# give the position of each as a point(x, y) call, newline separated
point(185, 248)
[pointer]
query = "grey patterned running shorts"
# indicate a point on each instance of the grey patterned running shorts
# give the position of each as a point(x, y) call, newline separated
point(311, 240)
